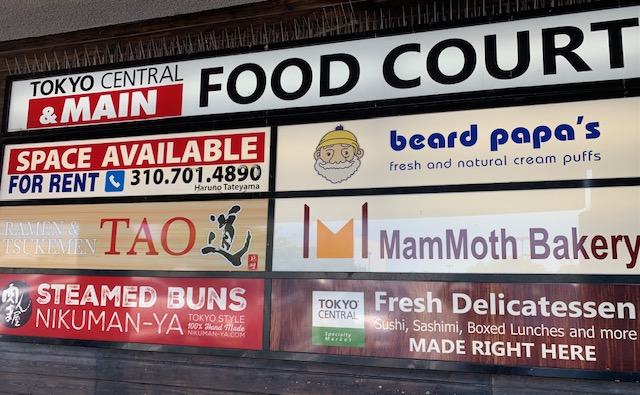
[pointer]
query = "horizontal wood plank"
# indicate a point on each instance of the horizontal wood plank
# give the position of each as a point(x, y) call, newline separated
point(59, 369)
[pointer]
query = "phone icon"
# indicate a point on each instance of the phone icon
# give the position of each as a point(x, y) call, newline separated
point(115, 181)
point(112, 180)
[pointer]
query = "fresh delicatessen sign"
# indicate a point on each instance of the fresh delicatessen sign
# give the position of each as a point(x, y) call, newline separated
point(223, 313)
point(208, 236)
point(551, 231)
point(570, 326)
point(175, 164)
point(583, 47)
point(561, 141)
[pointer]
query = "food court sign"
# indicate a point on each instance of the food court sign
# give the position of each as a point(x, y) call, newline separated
point(583, 47)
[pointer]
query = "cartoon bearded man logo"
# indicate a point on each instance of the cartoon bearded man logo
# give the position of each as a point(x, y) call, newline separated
point(338, 155)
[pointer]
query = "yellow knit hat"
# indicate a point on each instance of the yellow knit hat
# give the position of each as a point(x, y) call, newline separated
point(338, 136)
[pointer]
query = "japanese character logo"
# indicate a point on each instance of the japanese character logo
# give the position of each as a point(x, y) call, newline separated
point(16, 304)
point(228, 235)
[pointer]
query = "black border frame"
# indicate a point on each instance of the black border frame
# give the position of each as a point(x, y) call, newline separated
point(362, 110)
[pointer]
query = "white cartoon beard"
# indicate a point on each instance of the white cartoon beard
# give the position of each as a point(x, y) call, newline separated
point(337, 172)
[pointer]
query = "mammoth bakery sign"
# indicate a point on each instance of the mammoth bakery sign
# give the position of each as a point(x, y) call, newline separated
point(582, 47)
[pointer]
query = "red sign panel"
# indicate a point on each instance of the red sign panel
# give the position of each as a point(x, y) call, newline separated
point(222, 313)
point(569, 326)
point(115, 106)
point(150, 152)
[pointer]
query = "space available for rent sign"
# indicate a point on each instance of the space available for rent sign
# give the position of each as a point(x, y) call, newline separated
point(571, 326)
point(562, 141)
point(224, 313)
point(577, 231)
point(190, 163)
point(207, 236)
point(590, 46)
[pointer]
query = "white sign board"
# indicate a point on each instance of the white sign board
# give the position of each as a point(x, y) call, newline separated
point(219, 162)
point(568, 231)
point(583, 47)
point(565, 141)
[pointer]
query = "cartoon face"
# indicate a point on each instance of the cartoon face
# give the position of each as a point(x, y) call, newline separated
point(337, 153)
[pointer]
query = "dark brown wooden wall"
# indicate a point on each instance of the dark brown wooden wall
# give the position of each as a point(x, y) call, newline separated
point(67, 370)
point(31, 368)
